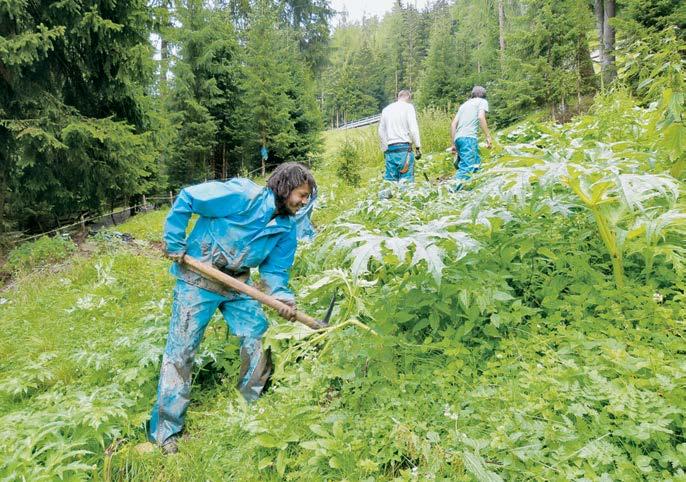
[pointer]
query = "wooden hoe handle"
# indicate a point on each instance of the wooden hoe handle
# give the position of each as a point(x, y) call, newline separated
point(223, 278)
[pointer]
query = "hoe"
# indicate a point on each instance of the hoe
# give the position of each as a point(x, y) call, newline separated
point(231, 282)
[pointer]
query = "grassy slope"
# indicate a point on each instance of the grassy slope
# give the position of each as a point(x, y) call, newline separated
point(59, 327)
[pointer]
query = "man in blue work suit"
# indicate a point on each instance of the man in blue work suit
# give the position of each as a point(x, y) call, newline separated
point(241, 226)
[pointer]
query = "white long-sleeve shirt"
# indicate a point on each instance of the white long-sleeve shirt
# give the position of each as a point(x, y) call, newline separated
point(398, 124)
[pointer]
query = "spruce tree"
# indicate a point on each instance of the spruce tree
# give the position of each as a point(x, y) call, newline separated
point(73, 99)
point(204, 103)
point(439, 80)
point(278, 102)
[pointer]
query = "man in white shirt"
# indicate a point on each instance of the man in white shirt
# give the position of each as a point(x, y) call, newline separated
point(464, 128)
point(398, 130)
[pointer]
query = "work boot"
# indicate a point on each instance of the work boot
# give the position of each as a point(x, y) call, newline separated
point(170, 446)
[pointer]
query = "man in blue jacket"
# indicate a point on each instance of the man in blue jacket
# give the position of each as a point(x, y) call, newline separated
point(241, 226)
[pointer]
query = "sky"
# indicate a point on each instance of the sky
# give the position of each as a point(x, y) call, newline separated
point(357, 8)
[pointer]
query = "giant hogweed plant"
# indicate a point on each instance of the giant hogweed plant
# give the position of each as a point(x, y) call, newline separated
point(609, 180)
point(631, 211)
point(524, 363)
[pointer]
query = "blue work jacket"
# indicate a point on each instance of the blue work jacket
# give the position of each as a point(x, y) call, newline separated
point(236, 231)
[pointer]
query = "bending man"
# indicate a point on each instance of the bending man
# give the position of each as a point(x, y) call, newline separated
point(398, 130)
point(241, 226)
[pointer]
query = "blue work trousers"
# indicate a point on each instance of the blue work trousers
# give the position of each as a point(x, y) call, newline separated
point(469, 160)
point(395, 157)
point(191, 312)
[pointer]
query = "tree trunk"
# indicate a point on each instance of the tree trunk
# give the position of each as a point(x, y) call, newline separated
point(3, 197)
point(609, 40)
point(604, 11)
point(164, 46)
point(599, 23)
point(501, 29)
point(164, 64)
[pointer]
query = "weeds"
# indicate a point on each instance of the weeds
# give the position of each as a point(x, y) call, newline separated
point(42, 252)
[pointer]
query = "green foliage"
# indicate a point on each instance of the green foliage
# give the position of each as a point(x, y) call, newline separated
point(655, 66)
point(202, 101)
point(79, 368)
point(310, 21)
point(643, 16)
point(349, 164)
point(372, 61)
point(278, 93)
point(72, 93)
point(434, 126)
point(547, 60)
point(440, 82)
point(443, 51)
point(38, 254)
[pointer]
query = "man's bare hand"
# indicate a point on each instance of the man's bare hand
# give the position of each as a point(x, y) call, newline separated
point(288, 311)
point(176, 257)
point(453, 149)
point(489, 142)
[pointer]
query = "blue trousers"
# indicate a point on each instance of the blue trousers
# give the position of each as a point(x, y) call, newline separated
point(191, 312)
point(468, 150)
point(395, 157)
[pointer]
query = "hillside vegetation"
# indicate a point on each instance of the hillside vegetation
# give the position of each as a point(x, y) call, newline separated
point(528, 327)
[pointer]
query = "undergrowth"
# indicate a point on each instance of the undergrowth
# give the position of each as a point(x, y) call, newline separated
point(527, 327)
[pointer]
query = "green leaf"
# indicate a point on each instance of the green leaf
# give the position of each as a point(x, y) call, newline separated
point(268, 441)
point(281, 461)
point(310, 445)
point(491, 330)
point(319, 430)
point(476, 466)
point(502, 296)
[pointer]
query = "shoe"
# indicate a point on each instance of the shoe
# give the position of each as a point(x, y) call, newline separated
point(170, 446)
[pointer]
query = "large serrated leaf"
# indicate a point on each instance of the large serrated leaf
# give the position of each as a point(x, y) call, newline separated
point(476, 466)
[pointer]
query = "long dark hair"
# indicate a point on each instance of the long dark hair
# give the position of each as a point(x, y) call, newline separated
point(285, 178)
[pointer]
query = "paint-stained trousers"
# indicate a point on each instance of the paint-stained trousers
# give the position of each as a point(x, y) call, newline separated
point(470, 161)
point(191, 312)
point(395, 157)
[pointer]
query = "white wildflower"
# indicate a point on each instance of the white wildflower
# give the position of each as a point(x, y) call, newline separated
point(448, 413)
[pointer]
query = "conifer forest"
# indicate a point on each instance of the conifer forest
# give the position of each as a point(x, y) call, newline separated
point(525, 324)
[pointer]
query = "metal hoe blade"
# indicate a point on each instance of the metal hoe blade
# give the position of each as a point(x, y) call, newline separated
point(325, 320)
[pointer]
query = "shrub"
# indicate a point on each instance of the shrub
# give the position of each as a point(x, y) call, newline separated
point(348, 163)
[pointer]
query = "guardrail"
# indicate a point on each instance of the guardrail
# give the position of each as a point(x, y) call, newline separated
point(362, 122)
